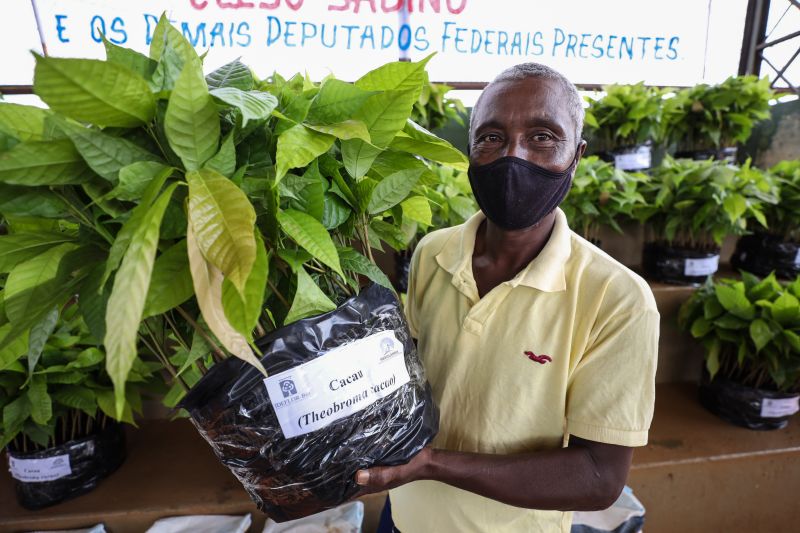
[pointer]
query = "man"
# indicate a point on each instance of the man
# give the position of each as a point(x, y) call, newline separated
point(540, 348)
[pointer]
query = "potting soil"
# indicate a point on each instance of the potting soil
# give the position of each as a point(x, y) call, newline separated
point(345, 391)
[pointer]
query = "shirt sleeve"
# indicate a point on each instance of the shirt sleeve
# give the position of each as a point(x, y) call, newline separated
point(611, 393)
point(411, 299)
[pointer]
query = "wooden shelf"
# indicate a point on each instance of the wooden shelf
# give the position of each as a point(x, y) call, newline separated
point(713, 473)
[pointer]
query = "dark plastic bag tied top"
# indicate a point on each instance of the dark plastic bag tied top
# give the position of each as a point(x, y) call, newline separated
point(56, 474)
point(748, 407)
point(681, 266)
point(761, 254)
point(313, 467)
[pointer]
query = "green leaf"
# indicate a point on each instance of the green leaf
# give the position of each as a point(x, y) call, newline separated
point(38, 336)
point(41, 405)
point(761, 333)
point(392, 190)
point(138, 63)
point(418, 209)
point(198, 350)
point(234, 74)
point(43, 163)
point(224, 161)
point(701, 327)
point(349, 129)
point(32, 285)
point(358, 156)
point(352, 260)
point(298, 146)
point(37, 202)
point(14, 348)
point(309, 300)
point(417, 140)
point(309, 233)
point(24, 122)
point(92, 302)
point(295, 258)
point(98, 92)
point(135, 178)
point(735, 206)
point(786, 309)
point(336, 101)
point(106, 154)
point(335, 211)
point(223, 220)
point(207, 282)
point(793, 339)
point(171, 282)
point(385, 114)
point(396, 76)
point(254, 105)
point(76, 397)
point(20, 247)
point(167, 73)
point(307, 192)
point(166, 36)
point(191, 122)
point(243, 310)
point(735, 301)
point(126, 303)
point(712, 358)
point(15, 414)
point(106, 402)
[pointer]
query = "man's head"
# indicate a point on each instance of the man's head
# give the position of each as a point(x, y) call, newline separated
point(524, 145)
point(534, 97)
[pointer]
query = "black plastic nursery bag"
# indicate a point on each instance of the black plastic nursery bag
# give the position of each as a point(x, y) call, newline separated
point(345, 391)
point(682, 266)
point(56, 474)
point(761, 254)
point(748, 407)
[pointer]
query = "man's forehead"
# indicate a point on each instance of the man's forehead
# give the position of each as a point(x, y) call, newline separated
point(534, 97)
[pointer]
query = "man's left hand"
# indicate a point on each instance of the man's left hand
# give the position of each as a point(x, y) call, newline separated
point(381, 478)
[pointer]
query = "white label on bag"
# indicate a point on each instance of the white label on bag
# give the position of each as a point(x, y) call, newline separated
point(33, 470)
point(797, 258)
point(701, 267)
point(344, 381)
point(641, 159)
point(779, 407)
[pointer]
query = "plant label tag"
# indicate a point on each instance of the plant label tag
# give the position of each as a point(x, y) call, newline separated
point(337, 384)
point(701, 267)
point(37, 470)
point(779, 407)
point(797, 258)
point(641, 159)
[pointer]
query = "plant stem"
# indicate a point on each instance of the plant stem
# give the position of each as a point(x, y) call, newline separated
point(278, 294)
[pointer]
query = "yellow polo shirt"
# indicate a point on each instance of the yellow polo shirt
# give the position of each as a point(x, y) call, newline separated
point(595, 321)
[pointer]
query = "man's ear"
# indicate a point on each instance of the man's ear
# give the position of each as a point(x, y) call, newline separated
point(581, 148)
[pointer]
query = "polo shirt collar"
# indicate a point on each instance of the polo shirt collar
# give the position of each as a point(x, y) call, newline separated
point(547, 272)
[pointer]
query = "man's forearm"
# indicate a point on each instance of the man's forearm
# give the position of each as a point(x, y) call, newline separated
point(566, 479)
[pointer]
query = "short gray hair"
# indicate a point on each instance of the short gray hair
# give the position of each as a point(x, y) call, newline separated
point(537, 70)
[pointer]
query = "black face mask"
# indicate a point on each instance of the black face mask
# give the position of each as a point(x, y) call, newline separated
point(515, 193)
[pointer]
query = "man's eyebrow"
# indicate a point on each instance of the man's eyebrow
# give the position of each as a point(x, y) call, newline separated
point(532, 122)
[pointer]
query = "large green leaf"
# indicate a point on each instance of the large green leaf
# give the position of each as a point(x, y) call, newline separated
point(298, 146)
point(93, 300)
point(761, 333)
point(223, 220)
point(98, 92)
point(735, 301)
point(207, 280)
point(20, 201)
point(191, 122)
point(336, 101)
point(224, 161)
point(358, 156)
point(106, 154)
point(385, 114)
point(309, 233)
point(335, 211)
point(167, 73)
point(418, 209)
point(309, 300)
point(392, 190)
point(126, 303)
point(20, 247)
point(234, 74)
point(352, 260)
point(33, 285)
point(15, 413)
point(171, 282)
point(415, 140)
point(253, 105)
point(348, 129)
point(41, 404)
point(76, 397)
point(13, 349)
point(43, 163)
point(243, 310)
point(396, 76)
point(786, 309)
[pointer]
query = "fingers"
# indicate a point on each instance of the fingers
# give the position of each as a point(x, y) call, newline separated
point(379, 478)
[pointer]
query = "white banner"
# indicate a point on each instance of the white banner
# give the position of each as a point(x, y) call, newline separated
point(616, 41)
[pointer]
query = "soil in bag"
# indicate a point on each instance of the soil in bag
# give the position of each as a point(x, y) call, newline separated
point(346, 391)
point(50, 476)
point(759, 409)
point(761, 254)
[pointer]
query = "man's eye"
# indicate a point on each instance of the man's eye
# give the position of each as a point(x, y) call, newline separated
point(542, 137)
point(490, 137)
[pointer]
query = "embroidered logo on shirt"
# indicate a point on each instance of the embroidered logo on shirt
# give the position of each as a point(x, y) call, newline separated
point(541, 359)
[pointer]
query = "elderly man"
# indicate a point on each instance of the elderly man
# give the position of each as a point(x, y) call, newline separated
point(540, 348)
